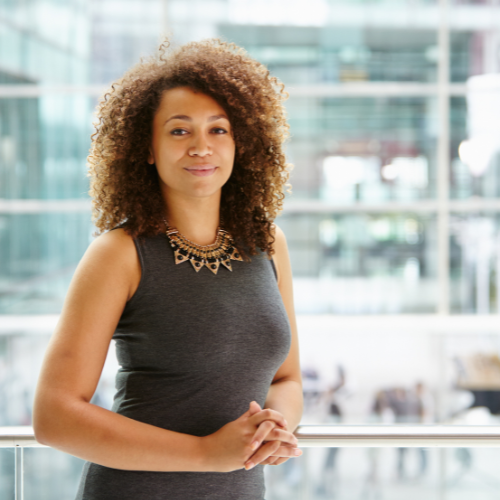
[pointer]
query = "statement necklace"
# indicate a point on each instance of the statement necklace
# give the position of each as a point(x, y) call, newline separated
point(222, 251)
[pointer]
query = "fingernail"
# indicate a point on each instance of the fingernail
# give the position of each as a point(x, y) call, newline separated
point(286, 423)
point(297, 453)
point(249, 466)
point(255, 445)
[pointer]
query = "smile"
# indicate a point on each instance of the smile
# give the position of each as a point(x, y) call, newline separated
point(201, 170)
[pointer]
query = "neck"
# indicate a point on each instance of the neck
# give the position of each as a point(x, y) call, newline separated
point(196, 218)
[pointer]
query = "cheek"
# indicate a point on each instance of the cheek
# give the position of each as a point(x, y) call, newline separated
point(170, 152)
point(230, 152)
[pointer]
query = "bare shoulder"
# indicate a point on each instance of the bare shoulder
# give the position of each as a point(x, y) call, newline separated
point(114, 253)
point(278, 234)
point(117, 240)
point(112, 249)
point(279, 244)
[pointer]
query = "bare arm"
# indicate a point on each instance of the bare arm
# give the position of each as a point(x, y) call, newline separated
point(64, 418)
point(285, 393)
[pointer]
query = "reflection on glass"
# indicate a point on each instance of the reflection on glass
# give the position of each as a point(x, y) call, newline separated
point(362, 264)
point(362, 149)
point(38, 255)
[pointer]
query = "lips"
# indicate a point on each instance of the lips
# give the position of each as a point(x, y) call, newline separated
point(202, 170)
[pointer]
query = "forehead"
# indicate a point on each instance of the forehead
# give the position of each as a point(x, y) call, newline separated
point(183, 100)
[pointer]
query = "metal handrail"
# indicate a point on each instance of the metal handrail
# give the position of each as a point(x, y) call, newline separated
point(345, 436)
point(398, 436)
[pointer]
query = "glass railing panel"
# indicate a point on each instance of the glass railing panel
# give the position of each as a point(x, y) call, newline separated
point(320, 473)
point(387, 474)
point(7, 473)
point(50, 474)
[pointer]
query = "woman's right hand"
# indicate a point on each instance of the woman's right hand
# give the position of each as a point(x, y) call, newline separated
point(233, 444)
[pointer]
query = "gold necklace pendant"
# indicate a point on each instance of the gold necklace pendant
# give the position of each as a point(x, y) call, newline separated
point(221, 252)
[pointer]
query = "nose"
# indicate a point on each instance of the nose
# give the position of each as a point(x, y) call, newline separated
point(200, 145)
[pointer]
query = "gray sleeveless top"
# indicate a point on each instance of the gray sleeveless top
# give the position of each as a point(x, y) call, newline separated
point(194, 349)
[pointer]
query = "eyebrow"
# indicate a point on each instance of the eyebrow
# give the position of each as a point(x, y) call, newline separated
point(189, 119)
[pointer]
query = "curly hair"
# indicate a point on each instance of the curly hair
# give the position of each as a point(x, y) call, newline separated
point(125, 187)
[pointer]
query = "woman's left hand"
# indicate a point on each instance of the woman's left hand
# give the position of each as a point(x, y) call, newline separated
point(261, 456)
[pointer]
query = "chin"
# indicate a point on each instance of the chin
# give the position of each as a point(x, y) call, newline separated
point(205, 192)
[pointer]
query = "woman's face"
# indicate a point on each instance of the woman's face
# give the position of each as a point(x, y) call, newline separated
point(193, 146)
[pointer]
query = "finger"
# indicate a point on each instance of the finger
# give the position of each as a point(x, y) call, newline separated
point(285, 451)
point(254, 408)
point(268, 432)
point(264, 452)
point(270, 461)
point(268, 414)
point(262, 432)
point(278, 434)
point(281, 460)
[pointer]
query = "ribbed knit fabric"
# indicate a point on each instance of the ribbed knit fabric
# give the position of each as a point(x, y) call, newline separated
point(194, 350)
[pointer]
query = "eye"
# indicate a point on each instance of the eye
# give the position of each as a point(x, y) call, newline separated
point(178, 131)
point(219, 130)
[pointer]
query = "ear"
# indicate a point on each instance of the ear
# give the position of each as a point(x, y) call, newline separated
point(151, 158)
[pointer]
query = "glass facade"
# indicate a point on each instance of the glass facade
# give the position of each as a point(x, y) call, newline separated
point(340, 146)
point(45, 41)
point(38, 255)
point(337, 52)
point(362, 263)
point(394, 210)
point(473, 38)
point(44, 144)
point(474, 262)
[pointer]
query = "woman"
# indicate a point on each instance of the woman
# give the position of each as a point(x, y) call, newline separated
point(186, 142)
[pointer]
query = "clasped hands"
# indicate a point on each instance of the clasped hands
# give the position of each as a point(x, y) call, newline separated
point(257, 437)
point(271, 451)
